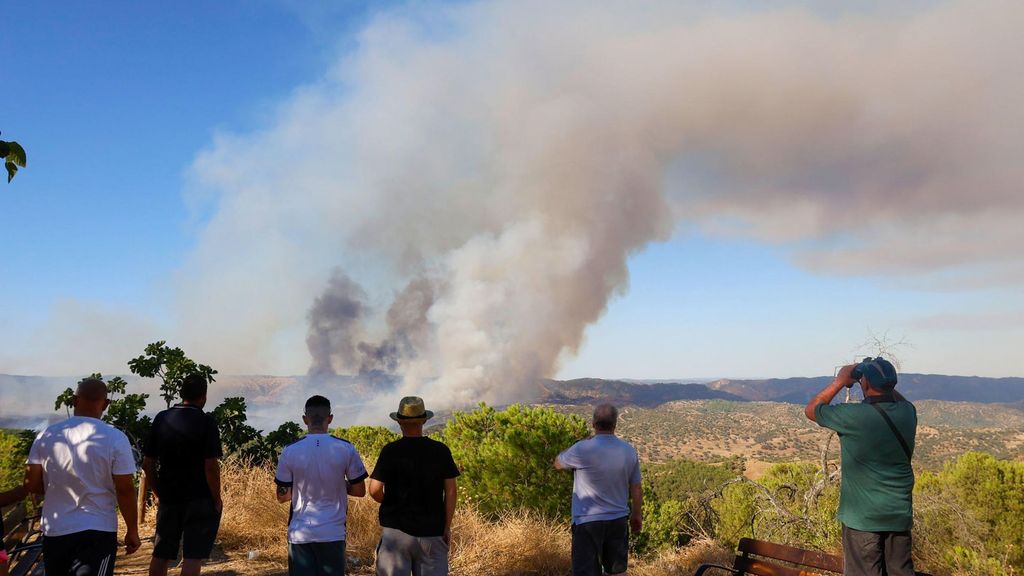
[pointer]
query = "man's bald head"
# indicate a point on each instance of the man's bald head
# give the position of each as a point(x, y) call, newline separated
point(606, 417)
point(91, 398)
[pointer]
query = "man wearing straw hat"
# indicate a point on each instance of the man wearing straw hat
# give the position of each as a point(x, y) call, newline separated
point(414, 481)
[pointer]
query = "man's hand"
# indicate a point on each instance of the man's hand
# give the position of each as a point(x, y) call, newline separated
point(218, 505)
point(845, 375)
point(636, 522)
point(447, 537)
point(131, 542)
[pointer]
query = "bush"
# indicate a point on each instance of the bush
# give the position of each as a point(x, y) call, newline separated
point(970, 516)
point(674, 494)
point(14, 446)
point(368, 440)
point(789, 505)
point(506, 458)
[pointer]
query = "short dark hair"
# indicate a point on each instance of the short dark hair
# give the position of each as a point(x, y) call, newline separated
point(91, 389)
point(318, 409)
point(194, 387)
point(606, 417)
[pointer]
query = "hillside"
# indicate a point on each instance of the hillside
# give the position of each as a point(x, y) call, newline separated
point(765, 432)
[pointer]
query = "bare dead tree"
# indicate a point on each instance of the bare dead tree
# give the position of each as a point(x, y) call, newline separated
point(886, 346)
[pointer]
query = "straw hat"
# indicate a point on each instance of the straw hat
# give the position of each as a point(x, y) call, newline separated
point(410, 409)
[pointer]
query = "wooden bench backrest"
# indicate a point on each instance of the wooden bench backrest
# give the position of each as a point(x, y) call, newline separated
point(12, 523)
point(818, 562)
point(28, 563)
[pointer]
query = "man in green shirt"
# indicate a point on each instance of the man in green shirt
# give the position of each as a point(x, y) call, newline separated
point(876, 437)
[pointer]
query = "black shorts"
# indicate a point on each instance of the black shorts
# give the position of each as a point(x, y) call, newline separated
point(877, 553)
point(317, 559)
point(190, 525)
point(600, 544)
point(87, 553)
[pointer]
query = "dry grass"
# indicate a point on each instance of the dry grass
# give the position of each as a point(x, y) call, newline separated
point(684, 561)
point(516, 544)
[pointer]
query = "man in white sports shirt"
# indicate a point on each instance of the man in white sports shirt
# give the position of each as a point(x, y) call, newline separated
point(316, 475)
point(84, 467)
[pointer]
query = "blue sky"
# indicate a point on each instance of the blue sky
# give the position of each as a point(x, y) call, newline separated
point(115, 105)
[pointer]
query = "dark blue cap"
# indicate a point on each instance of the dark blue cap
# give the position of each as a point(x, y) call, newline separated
point(881, 374)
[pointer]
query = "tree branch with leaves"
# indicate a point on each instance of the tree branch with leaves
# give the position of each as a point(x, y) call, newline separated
point(14, 157)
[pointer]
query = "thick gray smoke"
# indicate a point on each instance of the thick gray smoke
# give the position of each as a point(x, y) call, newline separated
point(335, 322)
point(339, 341)
point(520, 151)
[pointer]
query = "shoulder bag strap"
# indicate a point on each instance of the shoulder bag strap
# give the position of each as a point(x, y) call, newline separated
point(895, 431)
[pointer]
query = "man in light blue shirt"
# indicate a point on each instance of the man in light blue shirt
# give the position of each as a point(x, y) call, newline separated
point(606, 481)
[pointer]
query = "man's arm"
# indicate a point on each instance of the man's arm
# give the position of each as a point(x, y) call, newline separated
point(842, 380)
point(451, 497)
point(149, 470)
point(357, 489)
point(125, 488)
point(377, 490)
point(559, 465)
point(212, 470)
point(636, 500)
point(34, 479)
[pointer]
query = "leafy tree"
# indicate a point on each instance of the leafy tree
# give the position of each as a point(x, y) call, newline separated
point(14, 156)
point(124, 412)
point(285, 434)
point(235, 433)
point(66, 400)
point(506, 458)
point(170, 365)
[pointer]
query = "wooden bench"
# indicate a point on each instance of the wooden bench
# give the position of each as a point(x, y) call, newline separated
point(759, 558)
point(24, 543)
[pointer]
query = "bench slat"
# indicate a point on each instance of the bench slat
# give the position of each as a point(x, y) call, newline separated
point(762, 568)
point(798, 556)
point(25, 562)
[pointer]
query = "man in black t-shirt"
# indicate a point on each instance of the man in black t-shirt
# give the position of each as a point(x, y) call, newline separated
point(181, 464)
point(414, 481)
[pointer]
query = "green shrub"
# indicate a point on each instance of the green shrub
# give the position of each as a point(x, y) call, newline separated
point(368, 440)
point(788, 505)
point(970, 516)
point(507, 458)
point(675, 495)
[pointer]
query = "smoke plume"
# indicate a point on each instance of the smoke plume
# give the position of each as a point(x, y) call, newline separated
point(484, 172)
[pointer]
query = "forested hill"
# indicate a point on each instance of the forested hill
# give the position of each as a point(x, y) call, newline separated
point(792, 390)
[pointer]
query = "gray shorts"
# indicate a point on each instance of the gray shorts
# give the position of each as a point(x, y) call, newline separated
point(600, 545)
point(399, 554)
point(876, 553)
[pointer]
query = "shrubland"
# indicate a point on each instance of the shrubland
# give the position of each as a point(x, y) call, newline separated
point(513, 516)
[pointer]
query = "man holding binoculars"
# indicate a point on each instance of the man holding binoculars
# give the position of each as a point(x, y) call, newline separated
point(876, 438)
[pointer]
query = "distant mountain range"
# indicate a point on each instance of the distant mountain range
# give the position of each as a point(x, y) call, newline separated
point(27, 401)
point(789, 390)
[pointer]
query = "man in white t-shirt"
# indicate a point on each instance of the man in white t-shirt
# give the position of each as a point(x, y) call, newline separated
point(316, 475)
point(84, 468)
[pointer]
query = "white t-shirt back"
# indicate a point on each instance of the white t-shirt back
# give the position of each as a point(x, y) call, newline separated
point(79, 457)
point(319, 468)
